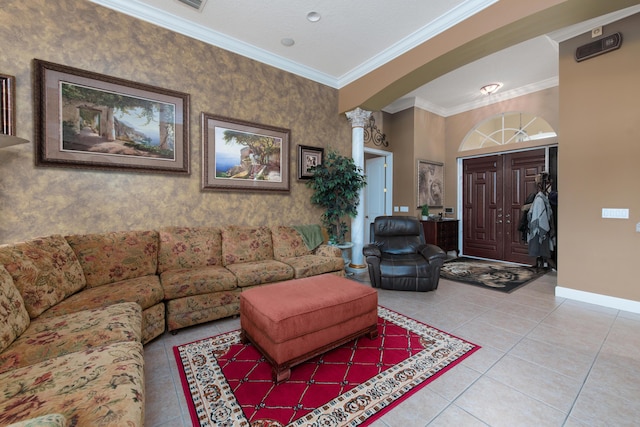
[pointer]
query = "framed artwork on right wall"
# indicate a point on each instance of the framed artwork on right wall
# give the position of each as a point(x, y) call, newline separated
point(430, 184)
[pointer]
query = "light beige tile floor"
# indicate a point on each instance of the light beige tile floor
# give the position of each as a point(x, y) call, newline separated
point(545, 361)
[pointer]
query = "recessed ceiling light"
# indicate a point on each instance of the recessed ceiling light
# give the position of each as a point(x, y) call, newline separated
point(313, 16)
point(490, 88)
point(287, 42)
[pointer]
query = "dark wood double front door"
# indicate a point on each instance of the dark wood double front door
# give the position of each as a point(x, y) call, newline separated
point(493, 191)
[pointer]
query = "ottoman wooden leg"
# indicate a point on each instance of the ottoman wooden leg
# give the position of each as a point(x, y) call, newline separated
point(373, 332)
point(280, 374)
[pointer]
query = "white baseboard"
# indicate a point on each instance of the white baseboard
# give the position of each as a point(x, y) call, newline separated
point(604, 300)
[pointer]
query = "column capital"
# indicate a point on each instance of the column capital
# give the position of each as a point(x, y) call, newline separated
point(358, 117)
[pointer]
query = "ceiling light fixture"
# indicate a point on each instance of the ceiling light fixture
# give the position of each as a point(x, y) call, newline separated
point(287, 42)
point(313, 16)
point(490, 88)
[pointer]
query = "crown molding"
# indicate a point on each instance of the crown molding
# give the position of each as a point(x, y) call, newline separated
point(185, 27)
point(432, 29)
point(182, 26)
point(586, 26)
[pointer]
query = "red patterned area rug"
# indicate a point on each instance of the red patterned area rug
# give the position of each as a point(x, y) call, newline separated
point(229, 383)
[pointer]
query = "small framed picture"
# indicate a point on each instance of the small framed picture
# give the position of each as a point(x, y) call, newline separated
point(308, 157)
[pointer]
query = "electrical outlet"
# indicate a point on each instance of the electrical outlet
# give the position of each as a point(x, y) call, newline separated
point(396, 209)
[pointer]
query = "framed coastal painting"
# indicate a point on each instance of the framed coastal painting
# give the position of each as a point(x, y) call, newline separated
point(430, 184)
point(308, 157)
point(90, 120)
point(243, 156)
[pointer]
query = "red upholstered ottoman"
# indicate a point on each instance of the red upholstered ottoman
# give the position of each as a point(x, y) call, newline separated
point(293, 321)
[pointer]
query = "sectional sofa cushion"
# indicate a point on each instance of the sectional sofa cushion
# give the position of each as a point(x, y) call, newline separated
point(260, 272)
point(112, 257)
point(189, 247)
point(45, 271)
point(196, 281)
point(196, 309)
point(312, 265)
point(289, 247)
point(47, 338)
point(146, 291)
point(102, 386)
point(14, 319)
point(246, 244)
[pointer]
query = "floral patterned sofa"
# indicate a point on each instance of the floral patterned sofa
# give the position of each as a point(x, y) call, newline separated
point(83, 368)
point(204, 270)
point(75, 310)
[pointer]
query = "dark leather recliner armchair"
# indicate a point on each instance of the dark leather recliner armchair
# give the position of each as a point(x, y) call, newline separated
point(398, 257)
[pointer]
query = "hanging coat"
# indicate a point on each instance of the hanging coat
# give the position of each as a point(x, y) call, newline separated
point(541, 234)
point(523, 224)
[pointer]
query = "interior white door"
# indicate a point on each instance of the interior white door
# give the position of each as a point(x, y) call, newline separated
point(375, 195)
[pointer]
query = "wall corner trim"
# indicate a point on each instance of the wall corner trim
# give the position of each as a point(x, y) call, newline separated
point(598, 299)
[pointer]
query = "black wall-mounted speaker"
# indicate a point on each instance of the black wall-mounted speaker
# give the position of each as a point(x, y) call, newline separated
point(598, 47)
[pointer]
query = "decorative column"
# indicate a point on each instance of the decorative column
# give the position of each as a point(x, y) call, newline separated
point(358, 119)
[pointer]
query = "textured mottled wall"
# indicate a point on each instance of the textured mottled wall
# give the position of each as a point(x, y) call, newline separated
point(41, 201)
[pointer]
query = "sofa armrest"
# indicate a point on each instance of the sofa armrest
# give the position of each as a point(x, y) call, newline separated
point(372, 249)
point(432, 253)
point(328, 251)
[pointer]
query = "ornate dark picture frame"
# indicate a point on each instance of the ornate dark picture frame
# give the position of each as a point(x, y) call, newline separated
point(7, 105)
point(308, 157)
point(243, 156)
point(90, 120)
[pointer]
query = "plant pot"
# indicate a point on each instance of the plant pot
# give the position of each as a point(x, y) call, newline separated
point(425, 217)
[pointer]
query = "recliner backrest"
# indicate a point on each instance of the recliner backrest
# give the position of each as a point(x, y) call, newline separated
point(397, 234)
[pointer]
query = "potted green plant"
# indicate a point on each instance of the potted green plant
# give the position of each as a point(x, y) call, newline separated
point(424, 212)
point(336, 185)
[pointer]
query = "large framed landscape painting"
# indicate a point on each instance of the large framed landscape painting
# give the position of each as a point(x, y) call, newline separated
point(90, 120)
point(244, 156)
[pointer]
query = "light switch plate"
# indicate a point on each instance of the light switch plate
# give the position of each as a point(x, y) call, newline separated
point(615, 213)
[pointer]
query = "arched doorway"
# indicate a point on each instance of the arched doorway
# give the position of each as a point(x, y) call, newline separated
point(496, 185)
point(378, 194)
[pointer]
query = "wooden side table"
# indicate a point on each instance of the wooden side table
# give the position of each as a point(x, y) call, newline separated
point(442, 233)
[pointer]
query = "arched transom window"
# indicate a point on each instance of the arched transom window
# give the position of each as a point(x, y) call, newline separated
point(507, 128)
